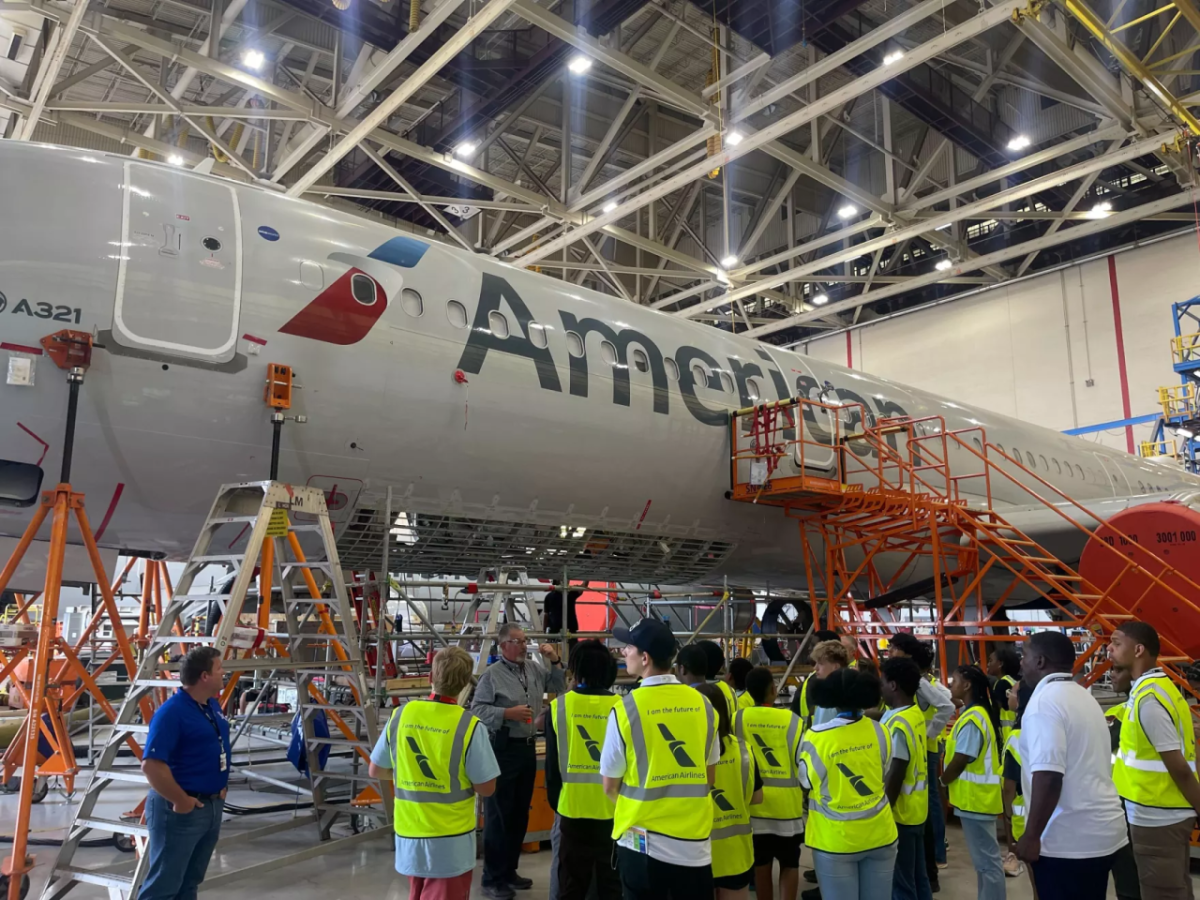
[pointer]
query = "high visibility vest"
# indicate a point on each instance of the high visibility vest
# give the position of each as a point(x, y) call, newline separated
point(428, 742)
point(1139, 772)
point(744, 701)
point(773, 736)
point(848, 811)
point(667, 730)
point(1008, 718)
point(806, 709)
point(1013, 746)
point(731, 700)
point(977, 788)
point(1116, 714)
point(579, 723)
point(732, 836)
point(912, 806)
point(929, 713)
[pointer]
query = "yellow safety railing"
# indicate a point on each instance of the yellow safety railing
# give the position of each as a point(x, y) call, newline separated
point(1185, 348)
point(1151, 449)
point(1177, 400)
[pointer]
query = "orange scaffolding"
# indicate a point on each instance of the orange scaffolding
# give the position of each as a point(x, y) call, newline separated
point(890, 505)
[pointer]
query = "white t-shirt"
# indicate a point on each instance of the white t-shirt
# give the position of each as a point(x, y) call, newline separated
point(1064, 731)
point(676, 851)
point(1160, 730)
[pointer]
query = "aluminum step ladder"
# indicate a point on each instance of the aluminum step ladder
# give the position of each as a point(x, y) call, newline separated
point(320, 652)
point(518, 607)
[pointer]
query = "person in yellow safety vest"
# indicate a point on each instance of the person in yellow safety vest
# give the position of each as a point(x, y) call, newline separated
point(973, 774)
point(658, 762)
point(582, 834)
point(692, 666)
point(773, 736)
point(1124, 868)
point(1012, 789)
point(1155, 769)
point(716, 665)
point(828, 657)
point(1004, 668)
point(737, 790)
point(851, 830)
point(907, 779)
point(438, 757)
point(738, 670)
point(933, 699)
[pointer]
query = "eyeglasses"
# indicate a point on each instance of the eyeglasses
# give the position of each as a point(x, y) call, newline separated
point(521, 641)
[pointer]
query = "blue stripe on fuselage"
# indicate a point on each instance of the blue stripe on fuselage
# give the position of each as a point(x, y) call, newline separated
point(400, 251)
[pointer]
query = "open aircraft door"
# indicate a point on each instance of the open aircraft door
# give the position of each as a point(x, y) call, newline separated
point(179, 276)
point(816, 426)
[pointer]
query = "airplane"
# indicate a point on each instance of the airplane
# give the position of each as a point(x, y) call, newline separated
point(514, 417)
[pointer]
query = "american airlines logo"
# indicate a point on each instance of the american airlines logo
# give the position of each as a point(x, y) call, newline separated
point(593, 747)
point(421, 758)
point(676, 748)
point(721, 801)
point(856, 781)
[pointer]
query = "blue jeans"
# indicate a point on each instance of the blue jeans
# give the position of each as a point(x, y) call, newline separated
point(911, 881)
point(935, 827)
point(985, 856)
point(856, 876)
point(180, 848)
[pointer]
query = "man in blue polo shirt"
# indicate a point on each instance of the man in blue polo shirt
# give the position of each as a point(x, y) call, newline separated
point(186, 761)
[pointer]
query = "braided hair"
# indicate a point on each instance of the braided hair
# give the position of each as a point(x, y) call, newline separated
point(981, 695)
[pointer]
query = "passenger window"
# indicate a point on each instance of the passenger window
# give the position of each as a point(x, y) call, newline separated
point(672, 368)
point(699, 376)
point(362, 288)
point(726, 383)
point(640, 362)
point(456, 313)
point(978, 444)
point(537, 335)
point(1000, 447)
point(498, 323)
point(1029, 459)
point(608, 352)
point(752, 389)
point(1057, 467)
point(574, 344)
point(411, 302)
point(1045, 465)
point(1079, 471)
point(1141, 488)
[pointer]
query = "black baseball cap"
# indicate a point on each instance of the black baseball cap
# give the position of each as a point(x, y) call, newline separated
point(650, 636)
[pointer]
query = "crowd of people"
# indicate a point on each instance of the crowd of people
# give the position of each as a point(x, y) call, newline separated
point(697, 783)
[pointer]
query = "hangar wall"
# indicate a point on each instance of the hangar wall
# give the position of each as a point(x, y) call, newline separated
point(1030, 350)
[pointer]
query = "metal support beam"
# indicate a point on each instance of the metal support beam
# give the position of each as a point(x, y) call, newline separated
point(64, 35)
point(470, 30)
point(1087, 229)
point(433, 211)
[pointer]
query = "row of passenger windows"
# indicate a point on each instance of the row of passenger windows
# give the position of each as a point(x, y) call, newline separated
point(1076, 471)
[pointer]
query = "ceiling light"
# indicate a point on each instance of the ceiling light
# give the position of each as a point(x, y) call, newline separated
point(893, 57)
point(610, 206)
point(944, 227)
point(820, 299)
point(465, 149)
point(848, 211)
point(1101, 210)
point(175, 159)
point(729, 261)
point(943, 265)
point(253, 59)
point(1019, 143)
point(579, 64)
point(734, 138)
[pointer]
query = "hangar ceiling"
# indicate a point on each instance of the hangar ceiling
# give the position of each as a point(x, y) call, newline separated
point(772, 167)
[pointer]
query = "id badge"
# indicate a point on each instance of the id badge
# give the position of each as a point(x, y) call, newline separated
point(224, 760)
point(633, 839)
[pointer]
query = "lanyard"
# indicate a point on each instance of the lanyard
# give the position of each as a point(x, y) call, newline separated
point(212, 722)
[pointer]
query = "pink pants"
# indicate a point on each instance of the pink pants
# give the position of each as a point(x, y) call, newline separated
point(456, 888)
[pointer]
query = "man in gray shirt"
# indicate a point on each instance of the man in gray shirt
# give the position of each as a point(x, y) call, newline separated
point(508, 699)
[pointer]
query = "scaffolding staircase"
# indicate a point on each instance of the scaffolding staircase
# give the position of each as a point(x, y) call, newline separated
point(893, 509)
point(282, 533)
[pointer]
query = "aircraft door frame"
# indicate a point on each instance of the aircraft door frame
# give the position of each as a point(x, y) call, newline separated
point(825, 419)
point(1116, 476)
point(195, 280)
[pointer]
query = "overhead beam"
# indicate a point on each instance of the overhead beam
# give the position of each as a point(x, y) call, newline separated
point(64, 35)
point(1095, 226)
point(974, 26)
